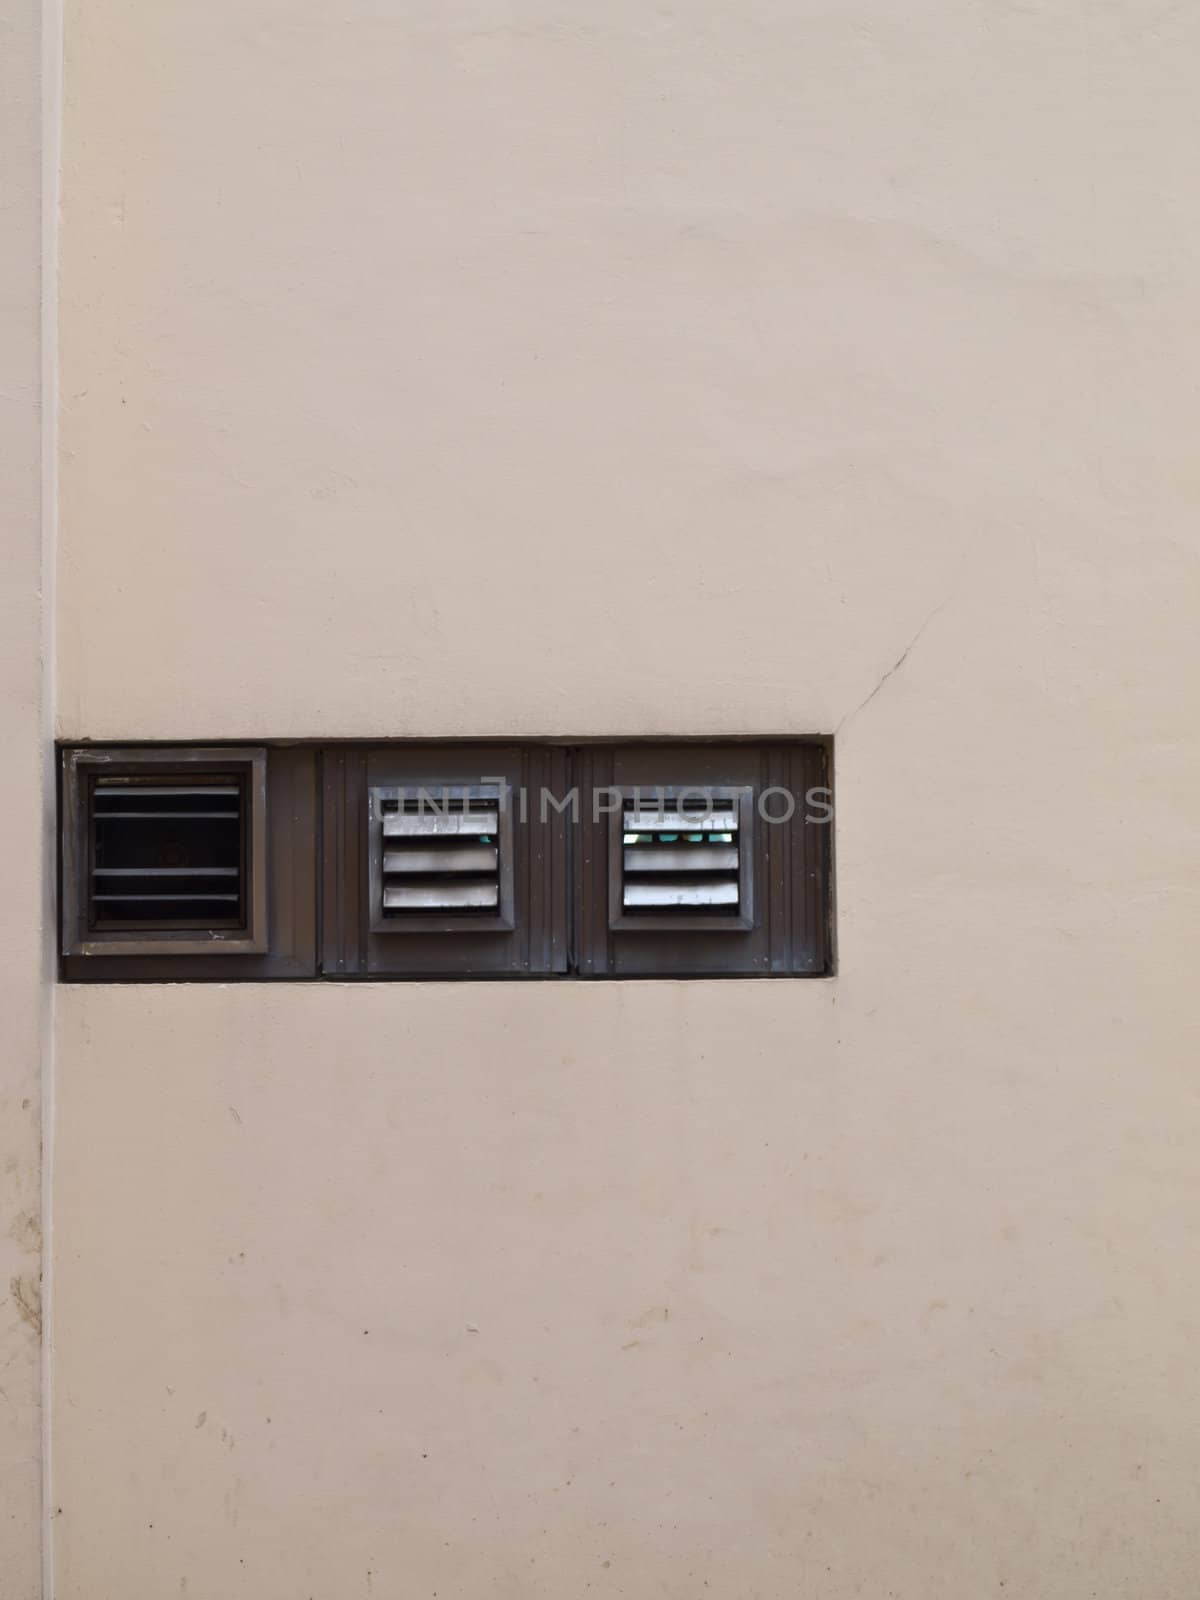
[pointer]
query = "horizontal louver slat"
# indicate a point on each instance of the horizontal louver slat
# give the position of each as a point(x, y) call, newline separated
point(166, 816)
point(136, 791)
point(432, 825)
point(138, 899)
point(677, 892)
point(681, 858)
point(165, 872)
point(446, 896)
point(465, 858)
point(666, 821)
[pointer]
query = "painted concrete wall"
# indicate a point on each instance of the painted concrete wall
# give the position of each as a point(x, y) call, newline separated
point(24, 970)
point(541, 368)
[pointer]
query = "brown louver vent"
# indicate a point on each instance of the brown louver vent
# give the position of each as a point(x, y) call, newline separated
point(683, 859)
point(164, 852)
point(441, 858)
point(168, 854)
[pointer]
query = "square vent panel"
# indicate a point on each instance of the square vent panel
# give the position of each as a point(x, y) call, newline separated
point(168, 853)
point(164, 852)
point(449, 866)
point(441, 858)
point(682, 859)
point(703, 859)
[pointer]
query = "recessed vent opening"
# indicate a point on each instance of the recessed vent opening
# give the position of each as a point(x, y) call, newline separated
point(441, 853)
point(167, 855)
point(680, 857)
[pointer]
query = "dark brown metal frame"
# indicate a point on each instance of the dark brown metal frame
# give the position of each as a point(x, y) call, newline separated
point(290, 872)
point(317, 868)
point(534, 943)
point(791, 865)
point(80, 770)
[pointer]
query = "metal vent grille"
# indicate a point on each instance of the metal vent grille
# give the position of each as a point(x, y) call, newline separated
point(164, 851)
point(167, 854)
point(681, 855)
point(682, 859)
point(441, 854)
point(441, 858)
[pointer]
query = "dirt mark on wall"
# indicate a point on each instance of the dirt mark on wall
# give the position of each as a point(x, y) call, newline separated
point(27, 1294)
point(26, 1230)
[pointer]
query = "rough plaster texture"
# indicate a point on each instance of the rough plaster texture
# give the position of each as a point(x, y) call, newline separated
point(651, 368)
point(22, 969)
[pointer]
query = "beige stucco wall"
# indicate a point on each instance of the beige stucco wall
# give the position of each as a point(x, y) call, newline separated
point(568, 369)
point(24, 809)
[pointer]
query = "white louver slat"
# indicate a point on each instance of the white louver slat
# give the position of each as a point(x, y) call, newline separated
point(432, 823)
point(681, 892)
point(472, 858)
point(446, 896)
point(682, 858)
point(668, 819)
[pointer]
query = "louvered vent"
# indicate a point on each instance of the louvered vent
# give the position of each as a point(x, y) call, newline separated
point(168, 854)
point(684, 859)
point(443, 857)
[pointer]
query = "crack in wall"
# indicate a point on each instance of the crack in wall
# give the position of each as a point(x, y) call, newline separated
point(895, 667)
